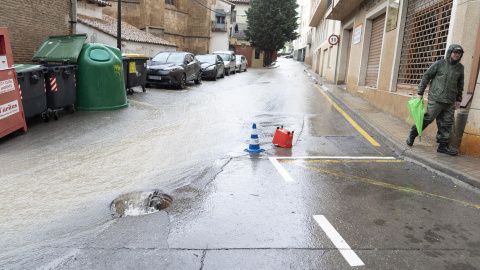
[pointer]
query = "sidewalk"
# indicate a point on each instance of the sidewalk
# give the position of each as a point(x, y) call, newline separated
point(394, 133)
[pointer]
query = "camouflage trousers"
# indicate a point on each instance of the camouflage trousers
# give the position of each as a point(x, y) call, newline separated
point(444, 113)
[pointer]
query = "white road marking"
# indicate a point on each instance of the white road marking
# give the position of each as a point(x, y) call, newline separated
point(287, 176)
point(329, 157)
point(281, 170)
point(338, 241)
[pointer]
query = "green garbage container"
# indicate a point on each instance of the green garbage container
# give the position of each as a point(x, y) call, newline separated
point(100, 79)
point(31, 79)
point(135, 69)
point(59, 55)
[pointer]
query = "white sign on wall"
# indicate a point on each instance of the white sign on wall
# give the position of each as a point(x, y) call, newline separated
point(357, 35)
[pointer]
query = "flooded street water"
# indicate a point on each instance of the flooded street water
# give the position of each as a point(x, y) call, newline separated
point(86, 191)
point(61, 176)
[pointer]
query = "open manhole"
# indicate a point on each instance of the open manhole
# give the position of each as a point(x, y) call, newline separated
point(140, 203)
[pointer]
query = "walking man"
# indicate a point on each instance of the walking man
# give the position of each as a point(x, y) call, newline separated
point(444, 96)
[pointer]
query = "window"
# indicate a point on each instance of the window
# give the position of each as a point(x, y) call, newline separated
point(424, 41)
point(220, 20)
point(171, 2)
point(257, 53)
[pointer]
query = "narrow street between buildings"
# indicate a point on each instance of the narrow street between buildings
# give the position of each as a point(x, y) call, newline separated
point(340, 198)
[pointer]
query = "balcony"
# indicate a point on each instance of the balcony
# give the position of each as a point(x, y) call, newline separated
point(343, 8)
point(320, 7)
point(219, 27)
point(238, 30)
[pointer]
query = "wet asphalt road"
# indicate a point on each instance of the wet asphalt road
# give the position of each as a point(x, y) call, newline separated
point(231, 209)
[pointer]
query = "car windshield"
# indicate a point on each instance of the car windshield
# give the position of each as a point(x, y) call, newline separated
point(169, 57)
point(224, 56)
point(211, 59)
point(239, 59)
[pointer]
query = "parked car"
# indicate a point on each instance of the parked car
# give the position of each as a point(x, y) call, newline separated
point(173, 68)
point(242, 63)
point(289, 55)
point(212, 66)
point(229, 60)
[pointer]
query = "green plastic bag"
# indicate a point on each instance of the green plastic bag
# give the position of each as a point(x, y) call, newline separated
point(417, 110)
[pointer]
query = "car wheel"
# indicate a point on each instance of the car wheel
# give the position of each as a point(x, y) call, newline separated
point(245, 69)
point(235, 70)
point(223, 74)
point(227, 72)
point(215, 74)
point(239, 69)
point(183, 82)
point(199, 78)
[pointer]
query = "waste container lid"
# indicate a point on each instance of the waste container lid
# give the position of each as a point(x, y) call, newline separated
point(60, 49)
point(27, 67)
point(134, 55)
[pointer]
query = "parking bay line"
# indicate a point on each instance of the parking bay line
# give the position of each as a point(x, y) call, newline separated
point(395, 187)
point(286, 176)
point(338, 241)
point(349, 119)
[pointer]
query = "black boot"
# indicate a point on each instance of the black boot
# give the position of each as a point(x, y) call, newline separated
point(412, 136)
point(443, 148)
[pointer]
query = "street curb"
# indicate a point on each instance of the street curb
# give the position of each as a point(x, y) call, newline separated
point(401, 149)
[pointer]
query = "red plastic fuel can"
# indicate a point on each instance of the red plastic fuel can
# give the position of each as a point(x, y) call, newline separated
point(283, 138)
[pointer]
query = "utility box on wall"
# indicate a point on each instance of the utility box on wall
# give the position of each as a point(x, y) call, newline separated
point(12, 117)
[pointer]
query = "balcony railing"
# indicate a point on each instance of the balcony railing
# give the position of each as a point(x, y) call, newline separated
point(238, 30)
point(219, 27)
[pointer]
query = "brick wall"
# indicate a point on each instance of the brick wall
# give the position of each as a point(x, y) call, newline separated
point(29, 22)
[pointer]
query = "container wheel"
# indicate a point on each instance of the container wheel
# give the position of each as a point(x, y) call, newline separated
point(143, 88)
point(55, 115)
point(71, 109)
point(45, 117)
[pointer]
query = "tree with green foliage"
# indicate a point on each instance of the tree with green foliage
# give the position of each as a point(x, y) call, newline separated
point(271, 23)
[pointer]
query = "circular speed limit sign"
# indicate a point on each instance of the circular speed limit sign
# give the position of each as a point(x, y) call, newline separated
point(333, 40)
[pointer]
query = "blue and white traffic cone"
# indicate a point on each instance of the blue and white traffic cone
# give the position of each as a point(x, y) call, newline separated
point(254, 146)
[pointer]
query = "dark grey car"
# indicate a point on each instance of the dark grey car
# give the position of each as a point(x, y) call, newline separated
point(212, 66)
point(173, 68)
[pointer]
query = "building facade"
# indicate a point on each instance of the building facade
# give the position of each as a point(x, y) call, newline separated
point(302, 46)
point(102, 28)
point(30, 22)
point(238, 40)
point(386, 46)
point(325, 52)
point(186, 23)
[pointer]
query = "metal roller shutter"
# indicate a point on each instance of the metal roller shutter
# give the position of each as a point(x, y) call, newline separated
point(373, 65)
point(424, 40)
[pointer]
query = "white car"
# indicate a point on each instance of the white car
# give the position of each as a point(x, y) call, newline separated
point(229, 61)
point(242, 63)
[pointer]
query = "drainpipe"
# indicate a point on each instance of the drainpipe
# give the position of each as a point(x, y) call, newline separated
point(73, 22)
point(119, 26)
point(336, 61)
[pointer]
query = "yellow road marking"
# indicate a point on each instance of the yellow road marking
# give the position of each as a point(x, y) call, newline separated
point(349, 119)
point(395, 187)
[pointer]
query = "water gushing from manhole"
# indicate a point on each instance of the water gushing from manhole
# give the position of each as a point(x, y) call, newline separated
point(140, 203)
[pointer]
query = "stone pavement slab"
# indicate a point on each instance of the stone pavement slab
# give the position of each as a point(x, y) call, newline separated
point(394, 133)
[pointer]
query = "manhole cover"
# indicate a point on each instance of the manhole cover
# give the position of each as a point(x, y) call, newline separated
point(140, 203)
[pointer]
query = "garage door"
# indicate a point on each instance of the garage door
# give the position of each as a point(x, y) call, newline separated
point(373, 65)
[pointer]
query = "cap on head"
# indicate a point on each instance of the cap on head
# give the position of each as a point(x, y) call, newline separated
point(457, 48)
